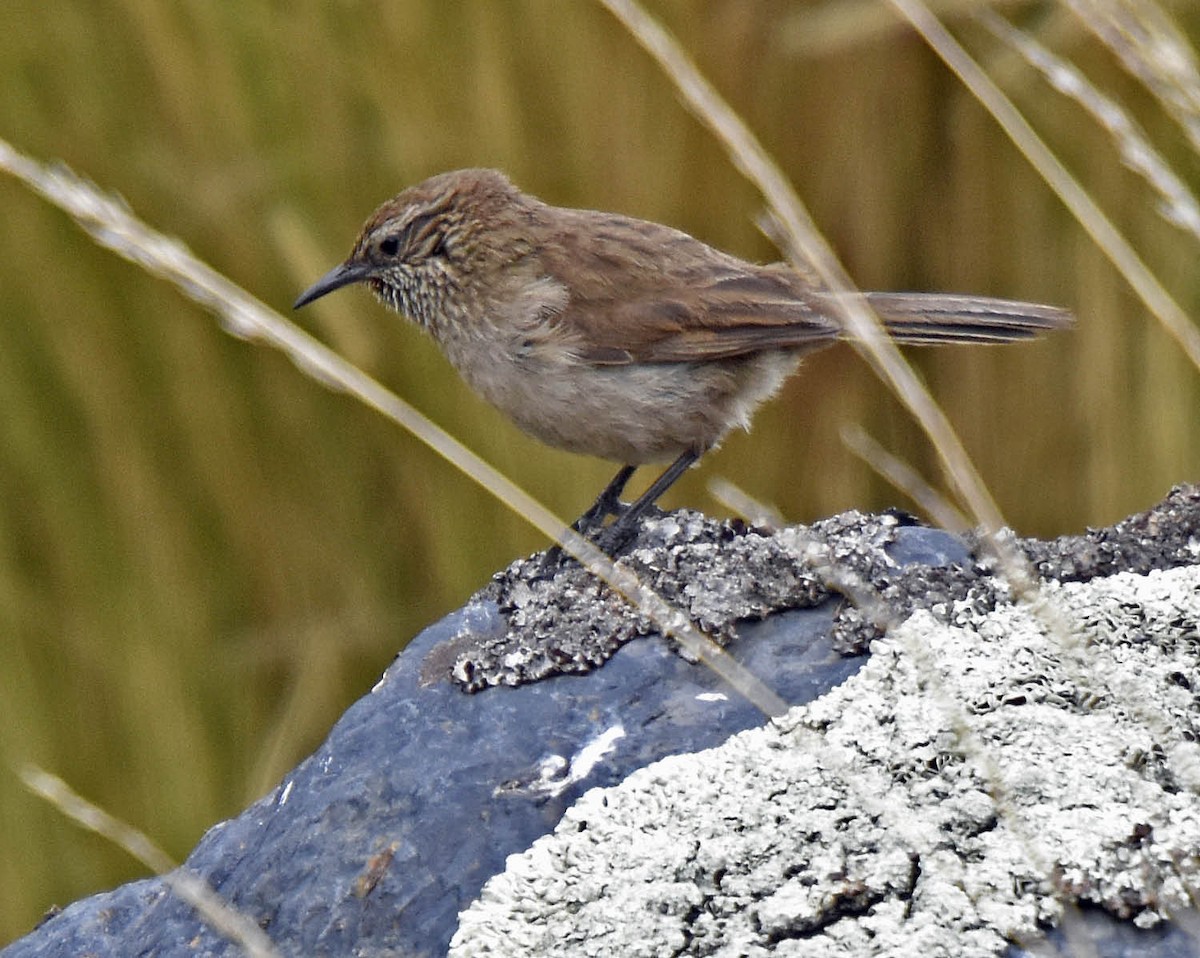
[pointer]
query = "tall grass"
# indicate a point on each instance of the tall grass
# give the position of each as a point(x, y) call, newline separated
point(204, 557)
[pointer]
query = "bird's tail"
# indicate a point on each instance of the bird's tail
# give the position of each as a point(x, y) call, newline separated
point(928, 319)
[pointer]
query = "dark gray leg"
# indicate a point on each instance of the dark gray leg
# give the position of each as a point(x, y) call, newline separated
point(618, 535)
point(608, 503)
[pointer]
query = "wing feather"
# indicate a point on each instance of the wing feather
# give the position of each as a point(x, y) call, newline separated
point(640, 292)
point(646, 293)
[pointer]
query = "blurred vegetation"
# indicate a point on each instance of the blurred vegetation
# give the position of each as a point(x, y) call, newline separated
point(205, 556)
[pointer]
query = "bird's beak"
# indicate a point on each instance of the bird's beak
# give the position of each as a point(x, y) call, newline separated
point(349, 272)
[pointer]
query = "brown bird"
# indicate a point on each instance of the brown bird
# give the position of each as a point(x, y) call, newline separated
point(613, 336)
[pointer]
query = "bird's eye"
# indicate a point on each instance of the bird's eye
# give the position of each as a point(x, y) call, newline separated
point(390, 246)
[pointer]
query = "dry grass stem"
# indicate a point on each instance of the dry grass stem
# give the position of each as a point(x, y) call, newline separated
point(113, 225)
point(220, 915)
point(737, 500)
point(905, 478)
point(1101, 230)
point(1151, 48)
point(820, 29)
point(1179, 205)
point(1098, 226)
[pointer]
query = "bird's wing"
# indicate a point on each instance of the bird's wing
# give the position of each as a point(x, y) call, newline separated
point(718, 320)
point(645, 293)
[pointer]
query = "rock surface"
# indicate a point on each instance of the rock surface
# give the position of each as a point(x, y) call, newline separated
point(981, 770)
point(946, 799)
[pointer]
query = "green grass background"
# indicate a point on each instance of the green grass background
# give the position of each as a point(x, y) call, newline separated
point(205, 556)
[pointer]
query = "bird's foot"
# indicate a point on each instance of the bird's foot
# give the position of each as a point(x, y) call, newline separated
point(611, 539)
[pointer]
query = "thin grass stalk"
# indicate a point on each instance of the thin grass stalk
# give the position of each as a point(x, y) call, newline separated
point(1082, 206)
point(905, 478)
point(1085, 209)
point(867, 335)
point(1179, 205)
point(111, 224)
point(1151, 48)
point(215, 910)
point(737, 500)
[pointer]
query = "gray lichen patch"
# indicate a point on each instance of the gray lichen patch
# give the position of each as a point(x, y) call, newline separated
point(717, 573)
point(570, 622)
point(947, 799)
point(722, 573)
point(1164, 537)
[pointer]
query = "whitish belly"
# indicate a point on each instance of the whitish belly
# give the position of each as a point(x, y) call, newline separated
point(632, 414)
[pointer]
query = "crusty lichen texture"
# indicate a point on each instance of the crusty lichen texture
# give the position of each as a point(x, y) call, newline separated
point(976, 774)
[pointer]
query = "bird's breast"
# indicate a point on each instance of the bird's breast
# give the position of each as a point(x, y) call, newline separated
point(634, 414)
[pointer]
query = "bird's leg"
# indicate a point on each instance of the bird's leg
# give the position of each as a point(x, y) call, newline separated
point(608, 503)
point(618, 535)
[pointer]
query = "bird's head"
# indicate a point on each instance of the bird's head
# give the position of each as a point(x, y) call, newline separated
point(421, 248)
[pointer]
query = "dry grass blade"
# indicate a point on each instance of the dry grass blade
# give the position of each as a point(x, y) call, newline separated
point(1151, 48)
point(220, 915)
point(1098, 226)
point(112, 225)
point(110, 222)
point(818, 29)
point(1102, 231)
point(1179, 204)
point(1083, 207)
point(749, 156)
point(901, 475)
point(736, 499)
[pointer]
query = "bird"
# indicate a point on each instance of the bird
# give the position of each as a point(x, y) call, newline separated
point(617, 337)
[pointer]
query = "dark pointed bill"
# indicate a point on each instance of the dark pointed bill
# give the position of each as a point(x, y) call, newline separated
point(336, 278)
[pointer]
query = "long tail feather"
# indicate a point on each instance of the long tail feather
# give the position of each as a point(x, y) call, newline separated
point(919, 319)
